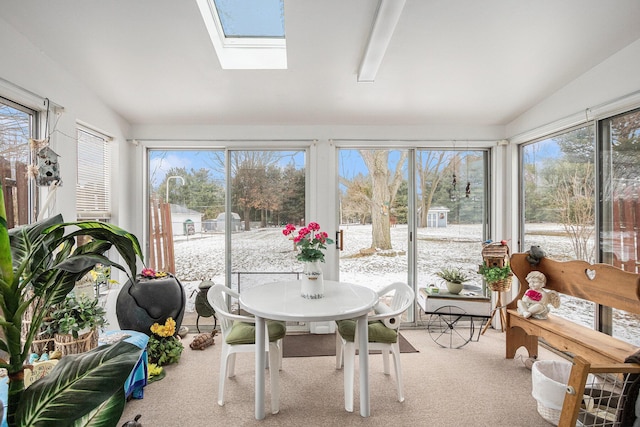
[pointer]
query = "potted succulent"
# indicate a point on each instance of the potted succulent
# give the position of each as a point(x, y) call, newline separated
point(39, 265)
point(454, 278)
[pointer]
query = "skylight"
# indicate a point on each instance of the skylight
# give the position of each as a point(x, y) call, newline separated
point(246, 34)
point(251, 18)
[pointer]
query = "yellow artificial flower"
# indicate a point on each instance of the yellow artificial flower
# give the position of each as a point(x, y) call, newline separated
point(166, 330)
point(154, 369)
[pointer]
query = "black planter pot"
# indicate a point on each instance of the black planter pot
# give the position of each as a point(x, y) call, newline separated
point(149, 301)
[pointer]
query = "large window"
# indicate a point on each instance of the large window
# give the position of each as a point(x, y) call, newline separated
point(93, 189)
point(196, 234)
point(558, 180)
point(16, 130)
point(562, 176)
point(451, 215)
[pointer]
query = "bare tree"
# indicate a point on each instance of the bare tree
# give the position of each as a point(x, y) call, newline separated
point(574, 198)
point(355, 201)
point(384, 186)
point(430, 168)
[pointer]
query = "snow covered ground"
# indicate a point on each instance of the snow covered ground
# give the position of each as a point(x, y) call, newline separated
point(201, 257)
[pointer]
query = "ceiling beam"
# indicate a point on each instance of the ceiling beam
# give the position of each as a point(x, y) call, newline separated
point(384, 24)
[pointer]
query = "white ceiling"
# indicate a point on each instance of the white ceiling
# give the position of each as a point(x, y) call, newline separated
point(449, 61)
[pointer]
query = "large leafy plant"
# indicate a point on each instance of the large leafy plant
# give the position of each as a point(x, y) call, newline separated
point(40, 264)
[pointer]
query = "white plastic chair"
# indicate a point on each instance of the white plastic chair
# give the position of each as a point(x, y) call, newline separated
point(217, 297)
point(384, 323)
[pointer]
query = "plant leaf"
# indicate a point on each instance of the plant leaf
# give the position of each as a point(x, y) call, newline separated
point(105, 415)
point(78, 384)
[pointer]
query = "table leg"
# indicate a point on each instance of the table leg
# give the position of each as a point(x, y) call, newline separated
point(363, 346)
point(260, 367)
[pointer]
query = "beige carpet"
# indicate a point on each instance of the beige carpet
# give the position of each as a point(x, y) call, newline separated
point(471, 386)
point(307, 345)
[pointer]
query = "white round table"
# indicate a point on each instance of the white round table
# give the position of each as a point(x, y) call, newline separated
point(282, 301)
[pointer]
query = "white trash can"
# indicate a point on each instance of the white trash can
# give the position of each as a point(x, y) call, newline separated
point(549, 380)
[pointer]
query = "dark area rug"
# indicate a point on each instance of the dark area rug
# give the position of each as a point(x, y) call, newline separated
point(309, 345)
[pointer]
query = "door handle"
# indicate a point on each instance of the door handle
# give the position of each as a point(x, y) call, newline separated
point(339, 241)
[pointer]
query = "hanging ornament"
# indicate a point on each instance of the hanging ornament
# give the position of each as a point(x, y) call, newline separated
point(467, 190)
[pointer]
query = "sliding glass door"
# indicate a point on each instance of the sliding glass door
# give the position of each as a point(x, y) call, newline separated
point(451, 215)
point(186, 204)
point(267, 192)
point(373, 213)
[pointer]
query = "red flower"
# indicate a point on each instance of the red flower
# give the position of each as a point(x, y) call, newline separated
point(310, 241)
point(288, 229)
point(304, 231)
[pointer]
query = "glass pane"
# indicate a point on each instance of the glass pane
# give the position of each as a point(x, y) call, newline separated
point(620, 234)
point(559, 205)
point(186, 233)
point(451, 216)
point(267, 192)
point(15, 131)
point(373, 191)
point(251, 18)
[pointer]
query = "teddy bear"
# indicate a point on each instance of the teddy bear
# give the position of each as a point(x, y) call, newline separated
point(536, 300)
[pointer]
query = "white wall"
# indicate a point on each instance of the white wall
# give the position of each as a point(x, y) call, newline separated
point(586, 97)
point(25, 66)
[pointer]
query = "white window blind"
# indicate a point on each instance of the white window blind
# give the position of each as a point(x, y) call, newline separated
point(93, 190)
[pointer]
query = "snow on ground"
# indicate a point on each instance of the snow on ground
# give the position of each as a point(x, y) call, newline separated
point(263, 250)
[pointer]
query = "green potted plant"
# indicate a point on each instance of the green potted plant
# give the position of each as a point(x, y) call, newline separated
point(454, 278)
point(39, 265)
point(74, 324)
point(498, 278)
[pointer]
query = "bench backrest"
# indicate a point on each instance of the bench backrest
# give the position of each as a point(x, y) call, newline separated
point(600, 283)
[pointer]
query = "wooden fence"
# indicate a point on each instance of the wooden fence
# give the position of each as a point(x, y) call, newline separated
point(16, 192)
point(161, 255)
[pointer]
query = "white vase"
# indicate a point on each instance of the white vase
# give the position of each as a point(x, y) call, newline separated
point(312, 286)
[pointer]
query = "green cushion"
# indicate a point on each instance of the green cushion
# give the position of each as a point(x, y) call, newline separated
point(245, 333)
point(377, 331)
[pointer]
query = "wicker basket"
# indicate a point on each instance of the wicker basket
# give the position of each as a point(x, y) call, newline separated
point(42, 345)
point(503, 285)
point(68, 345)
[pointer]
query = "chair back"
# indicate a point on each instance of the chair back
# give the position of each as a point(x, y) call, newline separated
point(403, 298)
point(218, 296)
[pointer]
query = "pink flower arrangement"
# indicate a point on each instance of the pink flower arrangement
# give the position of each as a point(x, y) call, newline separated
point(310, 240)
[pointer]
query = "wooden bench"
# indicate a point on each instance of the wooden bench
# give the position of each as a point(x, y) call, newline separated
point(608, 286)
point(600, 283)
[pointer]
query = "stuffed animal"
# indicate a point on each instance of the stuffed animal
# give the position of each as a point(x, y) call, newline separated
point(535, 254)
point(536, 300)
